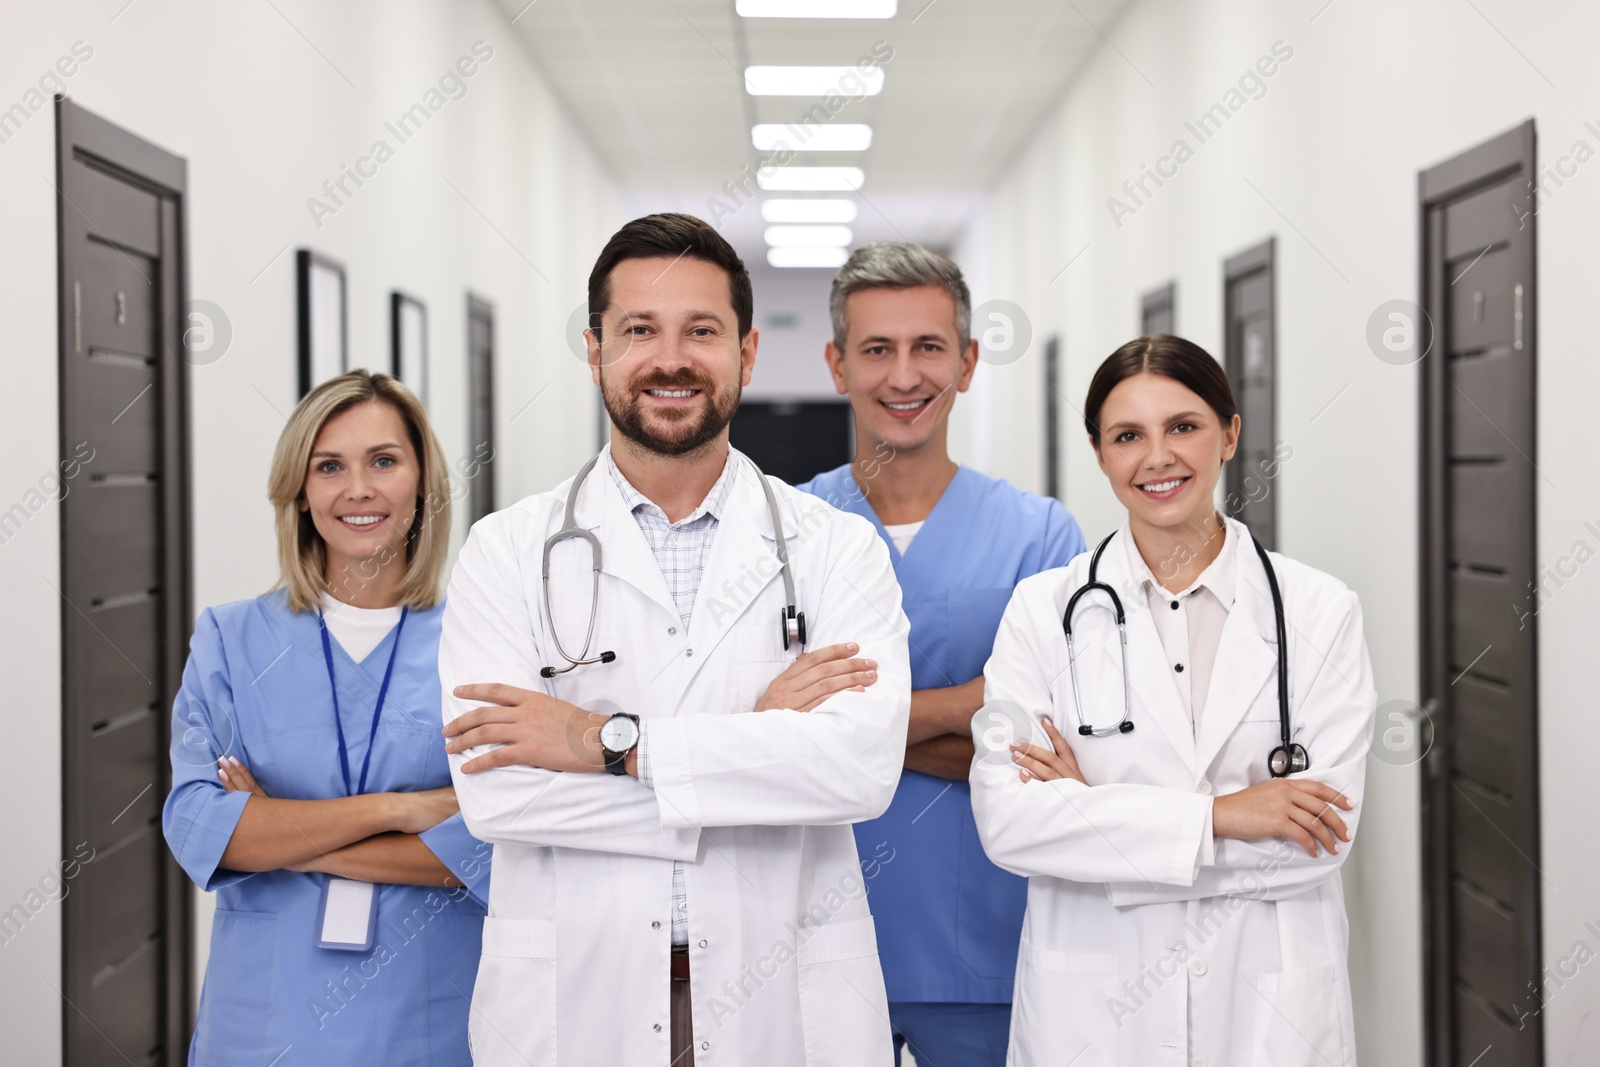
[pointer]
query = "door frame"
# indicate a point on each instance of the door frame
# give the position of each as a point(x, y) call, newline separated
point(84, 136)
point(1260, 257)
point(481, 423)
point(1489, 163)
point(1163, 296)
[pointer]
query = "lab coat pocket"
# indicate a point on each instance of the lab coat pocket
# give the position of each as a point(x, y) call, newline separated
point(844, 1011)
point(761, 657)
point(1063, 1009)
point(240, 1018)
point(514, 1002)
point(1297, 1018)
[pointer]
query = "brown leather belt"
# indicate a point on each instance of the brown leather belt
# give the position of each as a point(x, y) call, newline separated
point(680, 964)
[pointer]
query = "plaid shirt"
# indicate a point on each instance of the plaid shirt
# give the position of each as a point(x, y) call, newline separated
point(681, 549)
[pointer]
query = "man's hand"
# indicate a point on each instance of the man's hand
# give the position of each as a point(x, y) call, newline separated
point(817, 675)
point(532, 729)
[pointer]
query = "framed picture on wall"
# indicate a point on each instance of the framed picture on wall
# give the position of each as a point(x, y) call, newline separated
point(408, 342)
point(323, 334)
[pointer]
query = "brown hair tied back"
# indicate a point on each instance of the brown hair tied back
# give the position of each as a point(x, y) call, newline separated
point(1169, 356)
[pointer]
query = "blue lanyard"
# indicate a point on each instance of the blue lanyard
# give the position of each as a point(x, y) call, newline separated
point(377, 712)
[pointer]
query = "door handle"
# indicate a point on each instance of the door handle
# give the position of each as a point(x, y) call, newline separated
point(1425, 717)
point(1516, 317)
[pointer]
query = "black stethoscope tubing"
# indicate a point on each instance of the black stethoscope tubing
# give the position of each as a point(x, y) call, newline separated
point(1288, 758)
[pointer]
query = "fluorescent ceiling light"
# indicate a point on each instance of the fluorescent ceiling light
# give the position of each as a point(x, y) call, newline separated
point(809, 210)
point(810, 179)
point(816, 9)
point(791, 256)
point(813, 81)
point(846, 137)
point(809, 236)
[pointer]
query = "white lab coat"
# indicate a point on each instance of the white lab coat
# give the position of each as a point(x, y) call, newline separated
point(758, 806)
point(1146, 942)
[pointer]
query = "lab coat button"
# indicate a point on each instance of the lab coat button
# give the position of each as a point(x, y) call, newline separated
point(670, 630)
point(704, 1045)
point(655, 924)
point(1199, 1061)
point(1179, 668)
point(657, 1027)
point(1204, 787)
point(702, 943)
point(688, 652)
point(1198, 967)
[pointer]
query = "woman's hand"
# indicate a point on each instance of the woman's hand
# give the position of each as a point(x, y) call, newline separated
point(1046, 764)
point(237, 777)
point(815, 676)
point(1294, 808)
point(423, 810)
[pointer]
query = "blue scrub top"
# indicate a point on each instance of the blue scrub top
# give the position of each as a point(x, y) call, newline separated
point(256, 687)
point(948, 920)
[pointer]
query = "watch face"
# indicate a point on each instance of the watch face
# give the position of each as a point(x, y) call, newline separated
point(618, 733)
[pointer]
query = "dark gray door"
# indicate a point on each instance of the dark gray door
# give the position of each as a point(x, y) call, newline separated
point(125, 586)
point(1158, 310)
point(480, 412)
point(1052, 418)
point(1480, 665)
point(1251, 361)
point(794, 440)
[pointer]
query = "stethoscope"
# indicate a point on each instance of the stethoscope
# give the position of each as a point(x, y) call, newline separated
point(794, 622)
point(1288, 758)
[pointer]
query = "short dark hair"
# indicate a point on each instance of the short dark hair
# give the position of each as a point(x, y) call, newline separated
point(1169, 356)
point(671, 235)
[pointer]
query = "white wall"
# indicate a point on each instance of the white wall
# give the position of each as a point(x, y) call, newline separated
point(792, 315)
point(263, 121)
point(1327, 160)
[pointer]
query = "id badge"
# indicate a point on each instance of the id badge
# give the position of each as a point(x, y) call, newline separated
point(347, 916)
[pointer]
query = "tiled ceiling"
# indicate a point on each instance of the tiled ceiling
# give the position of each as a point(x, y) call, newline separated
point(658, 85)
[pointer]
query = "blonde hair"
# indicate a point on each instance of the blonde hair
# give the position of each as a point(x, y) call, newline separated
point(302, 554)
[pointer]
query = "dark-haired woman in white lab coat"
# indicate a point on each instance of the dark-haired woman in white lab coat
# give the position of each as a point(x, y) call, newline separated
point(1184, 905)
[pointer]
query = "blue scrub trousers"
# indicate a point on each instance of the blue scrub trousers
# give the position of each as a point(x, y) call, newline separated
point(951, 1035)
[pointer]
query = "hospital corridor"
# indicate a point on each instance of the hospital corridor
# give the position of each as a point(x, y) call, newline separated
point(782, 533)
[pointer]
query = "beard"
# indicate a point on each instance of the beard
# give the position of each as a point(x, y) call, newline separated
point(674, 432)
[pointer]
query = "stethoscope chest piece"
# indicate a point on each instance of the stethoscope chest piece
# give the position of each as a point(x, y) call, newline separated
point(794, 627)
point(1285, 761)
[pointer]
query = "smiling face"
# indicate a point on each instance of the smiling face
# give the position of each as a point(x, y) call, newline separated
point(902, 363)
point(1162, 447)
point(670, 362)
point(361, 489)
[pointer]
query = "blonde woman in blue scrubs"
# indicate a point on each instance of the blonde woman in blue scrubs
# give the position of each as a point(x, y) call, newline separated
point(308, 766)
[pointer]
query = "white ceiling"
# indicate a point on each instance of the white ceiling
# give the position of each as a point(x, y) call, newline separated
point(659, 87)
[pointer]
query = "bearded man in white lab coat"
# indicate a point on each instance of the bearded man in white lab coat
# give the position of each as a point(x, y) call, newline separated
point(676, 881)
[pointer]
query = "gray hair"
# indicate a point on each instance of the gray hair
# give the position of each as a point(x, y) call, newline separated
point(899, 265)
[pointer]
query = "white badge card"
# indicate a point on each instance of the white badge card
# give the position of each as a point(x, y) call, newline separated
point(347, 917)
